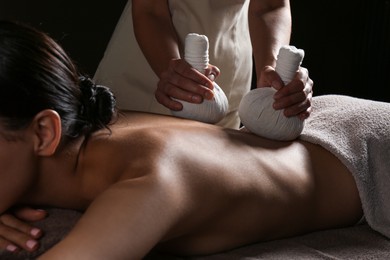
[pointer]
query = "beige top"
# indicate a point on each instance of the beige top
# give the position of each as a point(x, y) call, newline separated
point(225, 22)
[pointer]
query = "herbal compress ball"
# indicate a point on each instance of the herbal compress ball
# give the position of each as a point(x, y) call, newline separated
point(196, 53)
point(256, 111)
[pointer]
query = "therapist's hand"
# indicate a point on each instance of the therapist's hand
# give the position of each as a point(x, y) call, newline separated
point(295, 97)
point(15, 231)
point(181, 81)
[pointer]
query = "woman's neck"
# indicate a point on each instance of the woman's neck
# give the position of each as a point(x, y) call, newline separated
point(58, 183)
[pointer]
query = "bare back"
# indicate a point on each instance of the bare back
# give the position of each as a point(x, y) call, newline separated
point(222, 188)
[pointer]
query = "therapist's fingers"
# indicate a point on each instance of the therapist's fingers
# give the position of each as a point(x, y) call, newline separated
point(269, 78)
point(182, 82)
point(212, 72)
point(167, 101)
point(181, 74)
point(295, 98)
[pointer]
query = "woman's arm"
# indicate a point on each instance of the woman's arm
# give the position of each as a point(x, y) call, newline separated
point(157, 38)
point(270, 28)
point(125, 222)
point(155, 33)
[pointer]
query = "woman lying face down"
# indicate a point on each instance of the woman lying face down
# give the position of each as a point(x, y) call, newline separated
point(147, 181)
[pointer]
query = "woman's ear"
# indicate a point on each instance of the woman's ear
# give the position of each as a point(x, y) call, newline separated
point(47, 132)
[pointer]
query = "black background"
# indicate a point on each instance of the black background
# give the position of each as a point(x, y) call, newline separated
point(346, 43)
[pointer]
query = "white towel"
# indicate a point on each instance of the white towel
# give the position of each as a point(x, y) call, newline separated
point(357, 131)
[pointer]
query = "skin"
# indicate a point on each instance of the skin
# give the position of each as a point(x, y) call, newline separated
point(269, 27)
point(15, 231)
point(164, 188)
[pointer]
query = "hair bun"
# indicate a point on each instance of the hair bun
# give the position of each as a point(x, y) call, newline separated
point(97, 103)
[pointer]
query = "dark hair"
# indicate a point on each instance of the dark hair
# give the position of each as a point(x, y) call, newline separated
point(37, 74)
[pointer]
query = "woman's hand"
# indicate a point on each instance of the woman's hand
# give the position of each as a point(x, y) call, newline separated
point(183, 82)
point(16, 234)
point(295, 97)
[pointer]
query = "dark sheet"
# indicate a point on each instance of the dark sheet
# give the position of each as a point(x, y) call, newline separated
point(358, 242)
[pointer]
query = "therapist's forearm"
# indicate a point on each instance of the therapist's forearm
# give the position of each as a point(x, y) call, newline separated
point(270, 28)
point(155, 34)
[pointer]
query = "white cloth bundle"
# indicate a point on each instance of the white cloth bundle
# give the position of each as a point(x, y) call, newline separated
point(256, 111)
point(357, 131)
point(209, 111)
